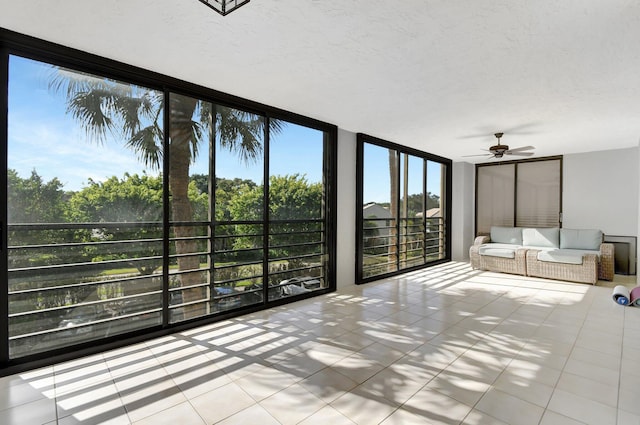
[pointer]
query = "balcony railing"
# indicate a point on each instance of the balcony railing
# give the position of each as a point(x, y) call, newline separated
point(419, 241)
point(74, 282)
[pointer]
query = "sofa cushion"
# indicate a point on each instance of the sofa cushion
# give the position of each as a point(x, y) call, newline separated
point(498, 250)
point(580, 239)
point(566, 256)
point(544, 238)
point(508, 235)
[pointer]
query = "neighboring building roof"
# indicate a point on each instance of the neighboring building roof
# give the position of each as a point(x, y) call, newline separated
point(431, 212)
point(374, 210)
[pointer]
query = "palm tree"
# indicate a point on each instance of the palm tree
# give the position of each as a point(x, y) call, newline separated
point(102, 106)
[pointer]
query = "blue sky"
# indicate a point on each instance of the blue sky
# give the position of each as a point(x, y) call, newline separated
point(42, 136)
point(376, 175)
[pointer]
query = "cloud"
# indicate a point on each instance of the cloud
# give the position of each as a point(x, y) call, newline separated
point(57, 148)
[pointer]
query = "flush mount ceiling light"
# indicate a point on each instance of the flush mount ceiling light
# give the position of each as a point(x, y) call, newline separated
point(224, 7)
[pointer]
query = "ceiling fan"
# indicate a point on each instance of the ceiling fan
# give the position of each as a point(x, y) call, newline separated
point(499, 150)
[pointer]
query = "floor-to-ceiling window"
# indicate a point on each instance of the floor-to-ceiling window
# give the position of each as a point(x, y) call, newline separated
point(404, 197)
point(136, 203)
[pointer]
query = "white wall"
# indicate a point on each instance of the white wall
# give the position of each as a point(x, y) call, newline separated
point(462, 232)
point(462, 210)
point(600, 190)
point(346, 226)
point(638, 182)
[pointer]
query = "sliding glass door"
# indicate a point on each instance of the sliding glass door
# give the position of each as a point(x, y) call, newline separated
point(131, 208)
point(85, 233)
point(404, 196)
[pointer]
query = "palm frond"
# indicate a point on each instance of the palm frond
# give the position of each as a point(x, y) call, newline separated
point(102, 106)
point(240, 132)
point(197, 132)
point(145, 144)
point(87, 109)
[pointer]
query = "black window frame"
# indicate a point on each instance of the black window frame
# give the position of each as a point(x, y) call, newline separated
point(13, 43)
point(361, 139)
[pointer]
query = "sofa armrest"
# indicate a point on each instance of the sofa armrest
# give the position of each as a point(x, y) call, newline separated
point(474, 256)
point(481, 239)
point(606, 267)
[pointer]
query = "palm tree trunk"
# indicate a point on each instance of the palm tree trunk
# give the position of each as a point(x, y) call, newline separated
point(180, 155)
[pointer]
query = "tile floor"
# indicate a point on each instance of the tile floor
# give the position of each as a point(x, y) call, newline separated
point(447, 345)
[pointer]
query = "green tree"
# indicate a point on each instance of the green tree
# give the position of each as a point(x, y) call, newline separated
point(134, 114)
point(414, 203)
point(32, 200)
point(291, 198)
point(132, 199)
point(226, 190)
point(38, 206)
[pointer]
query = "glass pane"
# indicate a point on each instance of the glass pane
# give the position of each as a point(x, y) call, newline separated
point(380, 210)
point(435, 211)
point(239, 210)
point(412, 211)
point(238, 266)
point(190, 139)
point(85, 207)
point(538, 202)
point(297, 259)
point(495, 201)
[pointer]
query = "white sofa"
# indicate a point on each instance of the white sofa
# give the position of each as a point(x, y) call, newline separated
point(578, 255)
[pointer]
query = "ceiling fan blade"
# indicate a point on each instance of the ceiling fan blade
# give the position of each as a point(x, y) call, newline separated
point(523, 148)
point(484, 154)
point(518, 153)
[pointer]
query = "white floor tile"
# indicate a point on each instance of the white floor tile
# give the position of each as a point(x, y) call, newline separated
point(436, 407)
point(391, 385)
point(95, 404)
point(589, 389)
point(627, 418)
point(183, 413)
point(35, 412)
point(363, 408)
point(328, 384)
point(553, 418)
point(255, 414)
point(581, 409)
point(221, 403)
point(327, 415)
point(358, 367)
point(16, 395)
point(380, 354)
point(467, 391)
point(598, 373)
point(476, 417)
point(292, 405)
point(441, 345)
point(266, 382)
point(509, 408)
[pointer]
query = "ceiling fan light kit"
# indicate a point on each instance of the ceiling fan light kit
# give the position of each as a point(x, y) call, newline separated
point(499, 150)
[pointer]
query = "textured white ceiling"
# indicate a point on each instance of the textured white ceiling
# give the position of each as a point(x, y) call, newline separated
point(438, 75)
